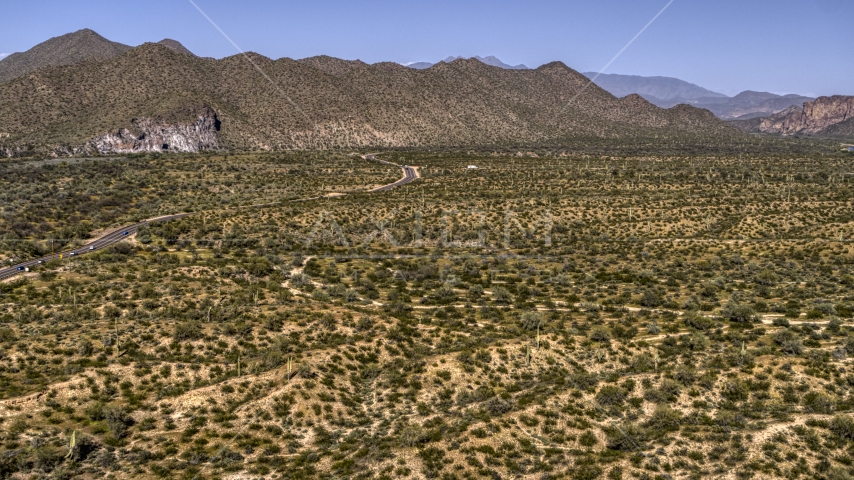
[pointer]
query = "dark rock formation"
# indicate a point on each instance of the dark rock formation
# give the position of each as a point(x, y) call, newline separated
point(814, 118)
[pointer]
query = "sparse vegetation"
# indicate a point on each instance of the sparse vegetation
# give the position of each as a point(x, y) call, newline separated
point(682, 317)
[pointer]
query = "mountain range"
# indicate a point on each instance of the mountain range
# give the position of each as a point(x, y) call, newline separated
point(654, 89)
point(667, 92)
point(158, 97)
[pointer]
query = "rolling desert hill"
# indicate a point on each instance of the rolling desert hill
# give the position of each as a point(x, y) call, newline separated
point(153, 94)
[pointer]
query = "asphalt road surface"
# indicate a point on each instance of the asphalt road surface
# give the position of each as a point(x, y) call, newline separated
point(410, 174)
point(111, 238)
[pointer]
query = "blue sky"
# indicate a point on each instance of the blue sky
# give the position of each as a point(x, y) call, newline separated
point(782, 46)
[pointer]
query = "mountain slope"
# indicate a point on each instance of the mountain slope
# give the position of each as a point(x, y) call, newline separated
point(465, 102)
point(67, 49)
point(660, 88)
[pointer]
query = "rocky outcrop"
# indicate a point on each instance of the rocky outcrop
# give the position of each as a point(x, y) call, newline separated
point(814, 118)
point(161, 134)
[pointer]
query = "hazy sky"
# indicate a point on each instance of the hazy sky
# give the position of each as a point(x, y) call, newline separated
point(782, 46)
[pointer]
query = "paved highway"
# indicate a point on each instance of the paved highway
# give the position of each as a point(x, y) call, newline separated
point(410, 174)
point(97, 244)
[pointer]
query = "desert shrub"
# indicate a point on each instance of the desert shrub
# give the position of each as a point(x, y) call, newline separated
point(737, 312)
point(781, 322)
point(817, 402)
point(667, 391)
point(664, 419)
point(531, 320)
point(600, 334)
point(842, 426)
point(685, 375)
point(320, 296)
point(191, 330)
point(501, 295)
point(697, 321)
point(735, 389)
point(412, 435)
point(84, 347)
point(789, 342)
point(610, 395)
point(587, 439)
point(300, 280)
point(767, 277)
point(444, 295)
point(642, 362)
point(627, 437)
point(118, 420)
point(497, 406)
point(651, 299)
point(696, 341)
point(7, 335)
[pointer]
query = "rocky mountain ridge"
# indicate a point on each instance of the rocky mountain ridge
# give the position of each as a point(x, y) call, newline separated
point(832, 116)
point(327, 103)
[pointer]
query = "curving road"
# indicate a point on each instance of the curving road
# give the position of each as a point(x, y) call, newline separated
point(111, 238)
point(410, 174)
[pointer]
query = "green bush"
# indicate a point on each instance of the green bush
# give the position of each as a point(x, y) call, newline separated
point(842, 426)
point(611, 395)
point(191, 330)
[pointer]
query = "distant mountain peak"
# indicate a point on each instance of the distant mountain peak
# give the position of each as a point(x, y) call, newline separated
point(67, 49)
point(176, 46)
point(490, 60)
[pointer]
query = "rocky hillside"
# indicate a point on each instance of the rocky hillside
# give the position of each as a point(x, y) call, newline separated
point(67, 49)
point(323, 103)
point(826, 116)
